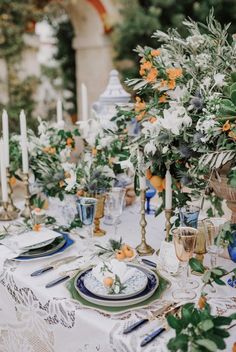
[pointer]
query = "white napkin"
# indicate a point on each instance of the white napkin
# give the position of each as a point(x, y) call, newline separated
point(19, 242)
point(114, 267)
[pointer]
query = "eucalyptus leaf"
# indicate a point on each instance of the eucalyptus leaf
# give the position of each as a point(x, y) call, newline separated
point(208, 344)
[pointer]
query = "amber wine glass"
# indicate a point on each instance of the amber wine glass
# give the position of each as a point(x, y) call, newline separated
point(184, 242)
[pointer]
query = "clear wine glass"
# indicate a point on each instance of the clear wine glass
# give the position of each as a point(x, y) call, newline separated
point(150, 193)
point(114, 205)
point(212, 228)
point(87, 208)
point(184, 242)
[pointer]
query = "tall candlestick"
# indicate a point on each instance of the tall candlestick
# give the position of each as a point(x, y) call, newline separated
point(84, 102)
point(24, 147)
point(5, 130)
point(59, 111)
point(3, 173)
point(168, 198)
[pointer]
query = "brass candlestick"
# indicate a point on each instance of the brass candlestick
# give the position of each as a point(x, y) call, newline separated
point(6, 215)
point(10, 206)
point(26, 212)
point(143, 248)
point(168, 214)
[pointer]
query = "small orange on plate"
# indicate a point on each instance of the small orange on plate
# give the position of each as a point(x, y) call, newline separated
point(108, 281)
point(120, 255)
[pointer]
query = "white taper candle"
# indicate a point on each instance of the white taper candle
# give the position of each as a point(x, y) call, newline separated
point(84, 102)
point(24, 142)
point(3, 173)
point(5, 133)
point(142, 178)
point(59, 111)
point(168, 197)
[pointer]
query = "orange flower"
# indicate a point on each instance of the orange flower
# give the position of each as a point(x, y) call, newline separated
point(162, 99)
point(202, 302)
point(171, 84)
point(144, 67)
point(37, 227)
point(226, 126)
point(163, 83)
point(234, 347)
point(94, 152)
point(67, 175)
point(46, 149)
point(80, 192)
point(139, 105)
point(140, 116)
point(61, 183)
point(174, 72)
point(156, 52)
point(232, 135)
point(12, 181)
point(152, 75)
point(69, 141)
point(152, 119)
point(52, 150)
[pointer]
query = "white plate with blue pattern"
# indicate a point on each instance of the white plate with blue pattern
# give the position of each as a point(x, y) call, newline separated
point(133, 286)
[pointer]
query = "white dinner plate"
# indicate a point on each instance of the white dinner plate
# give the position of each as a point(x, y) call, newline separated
point(133, 285)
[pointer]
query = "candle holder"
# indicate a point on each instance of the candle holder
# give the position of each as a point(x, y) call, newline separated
point(26, 212)
point(10, 205)
point(6, 215)
point(143, 248)
point(168, 214)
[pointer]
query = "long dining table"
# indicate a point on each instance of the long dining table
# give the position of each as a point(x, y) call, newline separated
point(38, 319)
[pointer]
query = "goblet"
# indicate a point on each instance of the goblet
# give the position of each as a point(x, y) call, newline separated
point(189, 216)
point(184, 242)
point(150, 193)
point(114, 205)
point(87, 207)
point(212, 229)
point(98, 215)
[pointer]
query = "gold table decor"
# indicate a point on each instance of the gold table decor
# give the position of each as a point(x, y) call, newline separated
point(143, 248)
point(26, 212)
point(10, 206)
point(6, 215)
point(200, 246)
point(98, 215)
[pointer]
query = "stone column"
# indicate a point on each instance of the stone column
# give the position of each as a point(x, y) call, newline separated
point(93, 47)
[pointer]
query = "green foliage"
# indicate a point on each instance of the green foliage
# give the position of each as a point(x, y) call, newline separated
point(141, 18)
point(210, 276)
point(197, 330)
point(64, 32)
point(18, 18)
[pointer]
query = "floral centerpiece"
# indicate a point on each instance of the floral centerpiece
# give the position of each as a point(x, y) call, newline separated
point(185, 106)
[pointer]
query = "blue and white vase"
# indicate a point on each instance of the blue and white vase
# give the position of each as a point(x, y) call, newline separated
point(232, 248)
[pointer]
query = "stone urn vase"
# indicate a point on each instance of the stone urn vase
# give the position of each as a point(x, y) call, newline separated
point(222, 189)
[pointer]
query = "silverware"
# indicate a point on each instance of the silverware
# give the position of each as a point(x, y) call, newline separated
point(139, 323)
point(150, 337)
point(149, 262)
point(55, 265)
point(61, 279)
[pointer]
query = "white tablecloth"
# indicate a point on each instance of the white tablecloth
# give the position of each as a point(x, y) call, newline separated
point(36, 319)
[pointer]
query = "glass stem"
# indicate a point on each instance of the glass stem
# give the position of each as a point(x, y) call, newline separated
point(148, 205)
point(213, 260)
point(116, 226)
point(184, 274)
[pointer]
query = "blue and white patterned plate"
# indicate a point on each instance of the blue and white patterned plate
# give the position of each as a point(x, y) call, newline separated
point(68, 242)
point(133, 285)
point(152, 284)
